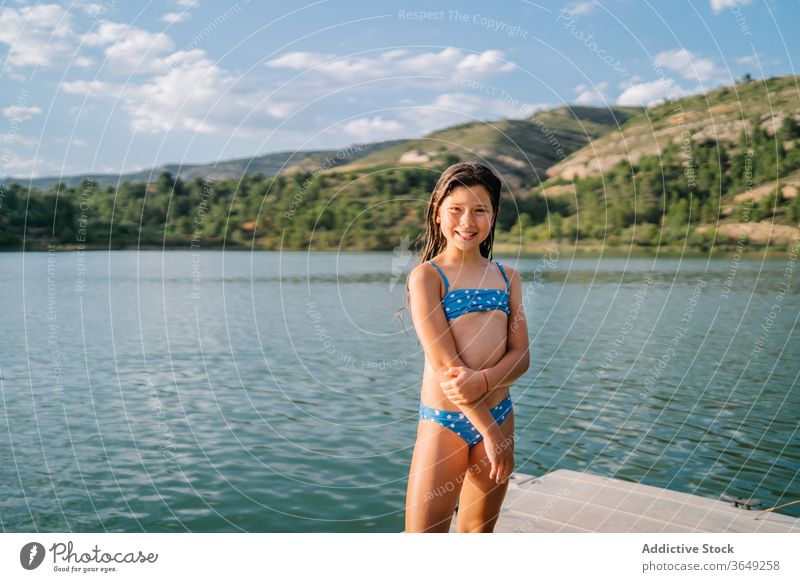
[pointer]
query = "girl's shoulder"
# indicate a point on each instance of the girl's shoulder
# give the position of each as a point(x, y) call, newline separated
point(508, 269)
point(422, 273)
point(511, 272)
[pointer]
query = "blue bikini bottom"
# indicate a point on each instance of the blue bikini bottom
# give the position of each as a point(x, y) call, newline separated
point(460, 424)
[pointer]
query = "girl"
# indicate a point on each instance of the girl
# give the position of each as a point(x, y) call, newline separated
point(467, 312)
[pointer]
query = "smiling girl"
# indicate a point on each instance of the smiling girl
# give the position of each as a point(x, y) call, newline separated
point(468, 314)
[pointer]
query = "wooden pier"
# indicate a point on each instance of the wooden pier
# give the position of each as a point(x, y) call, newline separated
point(573, 501)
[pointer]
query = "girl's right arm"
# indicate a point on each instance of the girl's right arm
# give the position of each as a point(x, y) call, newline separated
point(440, 347)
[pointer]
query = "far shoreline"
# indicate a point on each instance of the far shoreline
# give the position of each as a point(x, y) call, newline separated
point(533, 250)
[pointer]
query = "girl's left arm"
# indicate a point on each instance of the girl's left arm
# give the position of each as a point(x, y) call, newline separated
point(466, 385)
point(517, 358)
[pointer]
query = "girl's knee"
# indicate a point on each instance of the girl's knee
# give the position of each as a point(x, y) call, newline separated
point(429, 524)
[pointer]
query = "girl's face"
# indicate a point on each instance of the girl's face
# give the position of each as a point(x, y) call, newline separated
point(465, 216)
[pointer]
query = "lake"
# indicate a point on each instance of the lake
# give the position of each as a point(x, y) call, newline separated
point(277, 392)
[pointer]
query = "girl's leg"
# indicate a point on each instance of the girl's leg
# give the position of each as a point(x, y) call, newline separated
point(437, 471)
point(481, 497)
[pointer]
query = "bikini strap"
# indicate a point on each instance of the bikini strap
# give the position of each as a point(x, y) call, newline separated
point(508, 283)
point(446, 282)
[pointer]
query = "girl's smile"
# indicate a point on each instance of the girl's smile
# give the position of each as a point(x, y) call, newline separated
point(466, 235)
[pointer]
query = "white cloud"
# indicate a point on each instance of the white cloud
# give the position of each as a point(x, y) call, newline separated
point(173, 17)
point(484, 64)
point(28, 142)
point(83, 61)
point(93, 9)
point(375, 128)
point(461, 105)
point(581, 8)
point(93, 88)
point(130, 49)
point(325, 74)
point(631, 81)
point(282, 109)
point(400, 62)
point(299, 60)
point(719, 5)
point(591, 94)
point(21, 113)
point(651, 93)
point(180, 16)
point(445, 110)
point(188, 91)
point(186, 96)
point(746, 60)
point(29, 166)
point(688, 64)
point(39, 35)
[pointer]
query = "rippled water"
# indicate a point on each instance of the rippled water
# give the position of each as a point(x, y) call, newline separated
point(237, 391)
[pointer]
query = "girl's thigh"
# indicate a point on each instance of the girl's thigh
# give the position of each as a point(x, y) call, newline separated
point(481, 497)
point(437, 471)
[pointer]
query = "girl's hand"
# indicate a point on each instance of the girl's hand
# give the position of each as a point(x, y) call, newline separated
point(500, 452)
point(465, 386)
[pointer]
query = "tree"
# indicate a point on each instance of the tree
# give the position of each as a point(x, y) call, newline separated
point(165, 182)
point(766, 206)
point(790, 129)
point(793, 211)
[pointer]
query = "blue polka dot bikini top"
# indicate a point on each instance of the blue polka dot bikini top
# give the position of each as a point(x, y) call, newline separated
point(460, 301)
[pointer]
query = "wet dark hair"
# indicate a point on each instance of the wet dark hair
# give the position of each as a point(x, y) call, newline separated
point(431, 241)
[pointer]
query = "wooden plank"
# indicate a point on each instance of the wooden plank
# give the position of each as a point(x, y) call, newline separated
point(566, 508)
point(573, 501)
point(689, 499)
point(672, 508)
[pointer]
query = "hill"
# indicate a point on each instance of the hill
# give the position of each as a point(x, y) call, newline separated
point(268, 164)
point(718, 171)
point(723, 167)
point(521, 149)
point(719, 115)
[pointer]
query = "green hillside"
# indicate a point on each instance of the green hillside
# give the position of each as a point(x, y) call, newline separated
point(521, 149)
point(721, 168)
point(717, 171)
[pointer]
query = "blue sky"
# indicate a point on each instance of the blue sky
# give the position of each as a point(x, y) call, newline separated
point(116, 86)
